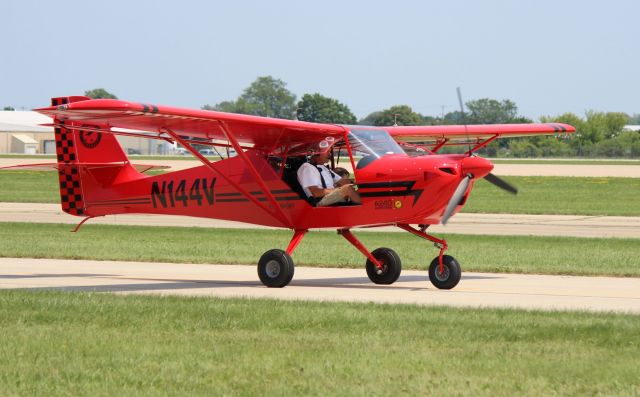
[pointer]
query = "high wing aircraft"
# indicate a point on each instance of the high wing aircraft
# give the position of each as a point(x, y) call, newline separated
point(402, 179)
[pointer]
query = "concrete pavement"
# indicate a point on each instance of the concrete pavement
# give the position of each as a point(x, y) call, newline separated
point(478, 290)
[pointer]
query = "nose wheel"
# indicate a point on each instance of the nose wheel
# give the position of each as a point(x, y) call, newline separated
point(446, 276)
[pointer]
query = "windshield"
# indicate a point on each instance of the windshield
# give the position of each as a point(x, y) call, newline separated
point(371, 145)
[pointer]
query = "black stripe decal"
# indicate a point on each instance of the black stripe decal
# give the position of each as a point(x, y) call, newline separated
point(141, 200)
point(115, 204)
point(408, 185)
point(231, 200)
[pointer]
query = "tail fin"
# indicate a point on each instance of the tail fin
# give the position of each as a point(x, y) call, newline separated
point(76, 144)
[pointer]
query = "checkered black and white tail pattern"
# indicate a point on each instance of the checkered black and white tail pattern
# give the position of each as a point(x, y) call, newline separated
point(69, 172)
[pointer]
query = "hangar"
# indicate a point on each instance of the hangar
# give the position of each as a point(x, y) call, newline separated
point(21, 132)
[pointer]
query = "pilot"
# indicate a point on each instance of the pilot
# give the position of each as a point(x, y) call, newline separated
point(322, 186)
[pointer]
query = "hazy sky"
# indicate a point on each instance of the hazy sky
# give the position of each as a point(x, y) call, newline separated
point(548, 56)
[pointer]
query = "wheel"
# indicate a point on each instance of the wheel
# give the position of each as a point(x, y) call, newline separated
point(451, 275)
point(391, 266)
point(275, 268)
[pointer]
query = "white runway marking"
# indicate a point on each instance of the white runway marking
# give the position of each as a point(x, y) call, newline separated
point(474, 290)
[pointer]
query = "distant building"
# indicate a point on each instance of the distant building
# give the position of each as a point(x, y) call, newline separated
point(631, 128)
point(21, 132)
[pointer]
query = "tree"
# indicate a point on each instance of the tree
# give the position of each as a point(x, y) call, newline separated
point(634, 120)
point(321, 109)
point(9, 109)
point(266, 96)
point(400, 115)
point(456, 117)
point(491, 111)
point(224, 106)
point(370, 119)
point(99, 93)
point(601, 125)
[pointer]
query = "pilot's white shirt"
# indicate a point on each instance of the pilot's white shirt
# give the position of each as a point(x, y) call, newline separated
point(308, 175)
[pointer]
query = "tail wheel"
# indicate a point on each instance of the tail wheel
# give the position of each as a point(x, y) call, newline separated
point(391, 266)
point(275, 268)
point(449, 277)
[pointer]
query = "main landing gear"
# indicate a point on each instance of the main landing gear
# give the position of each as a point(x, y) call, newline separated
point(275, 268)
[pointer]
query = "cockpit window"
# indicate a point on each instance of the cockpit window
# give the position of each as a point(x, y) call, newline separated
point(372, 145)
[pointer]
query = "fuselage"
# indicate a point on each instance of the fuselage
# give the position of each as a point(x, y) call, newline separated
point(395, 188)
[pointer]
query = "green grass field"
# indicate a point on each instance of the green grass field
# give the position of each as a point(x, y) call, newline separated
point(514, 254)
point(91, 344)
point(538, 195)
point(560, 196)
point(567, 161)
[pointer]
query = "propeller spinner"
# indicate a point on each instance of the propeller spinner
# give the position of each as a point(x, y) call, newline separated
point(474, 167)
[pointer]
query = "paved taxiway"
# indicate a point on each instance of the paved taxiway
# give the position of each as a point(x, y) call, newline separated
point(474, 290)
point(495, 224)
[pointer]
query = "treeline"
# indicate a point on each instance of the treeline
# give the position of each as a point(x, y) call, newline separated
point(598, 134)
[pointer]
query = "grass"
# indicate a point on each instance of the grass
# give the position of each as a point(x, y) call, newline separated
point(559, 196)
point(57, 343)
point(538, 195)
point(513, 254)
point(567, 161)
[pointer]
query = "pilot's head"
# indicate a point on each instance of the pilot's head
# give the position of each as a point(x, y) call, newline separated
point(320, 157)
point(320, 154)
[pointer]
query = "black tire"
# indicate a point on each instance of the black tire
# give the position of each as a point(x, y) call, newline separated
point(451, 276)
point(275, 268)
point(392, 266)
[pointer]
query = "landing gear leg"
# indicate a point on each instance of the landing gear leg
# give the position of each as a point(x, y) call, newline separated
point(444, 270)
point(383, 264)
point(275, 268)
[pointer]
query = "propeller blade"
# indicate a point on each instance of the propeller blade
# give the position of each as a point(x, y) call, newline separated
point(455, 199)
point(501, 183)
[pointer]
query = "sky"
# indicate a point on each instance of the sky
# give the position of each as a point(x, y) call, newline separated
point(549, 57)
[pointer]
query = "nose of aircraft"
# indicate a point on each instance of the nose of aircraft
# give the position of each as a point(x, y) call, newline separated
point(477, 166)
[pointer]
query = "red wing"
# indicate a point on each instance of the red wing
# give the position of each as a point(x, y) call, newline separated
point(475, 132)
point(251, 131)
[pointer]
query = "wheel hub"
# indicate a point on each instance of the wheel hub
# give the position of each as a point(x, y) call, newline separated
point(444, 275)
point(272, 269)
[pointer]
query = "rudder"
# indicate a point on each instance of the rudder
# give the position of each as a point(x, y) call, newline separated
point(78, 144)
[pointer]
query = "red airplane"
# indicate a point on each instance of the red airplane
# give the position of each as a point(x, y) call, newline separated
point(401, 178)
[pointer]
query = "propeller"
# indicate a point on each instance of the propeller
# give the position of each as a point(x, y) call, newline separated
point(472, 163)
point(455, 199)
point(501, 183)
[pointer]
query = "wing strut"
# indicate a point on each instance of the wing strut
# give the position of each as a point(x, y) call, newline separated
point(439, 145)
point(256, 174)
point(279, 215)
point(481, 144)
